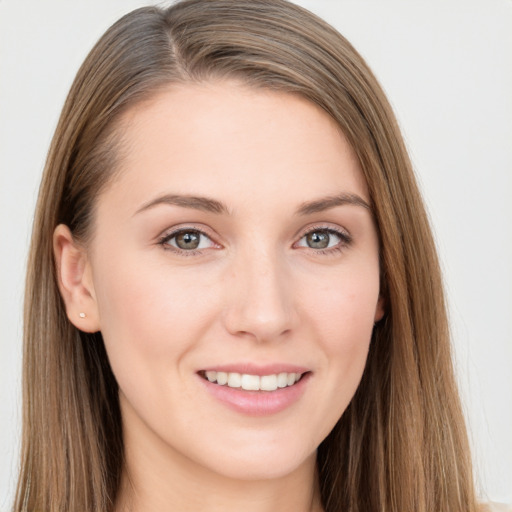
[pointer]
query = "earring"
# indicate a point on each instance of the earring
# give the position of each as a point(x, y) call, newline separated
point(82, 315)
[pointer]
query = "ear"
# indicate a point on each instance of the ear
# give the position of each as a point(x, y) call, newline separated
point(74, 277)
point(379, 310)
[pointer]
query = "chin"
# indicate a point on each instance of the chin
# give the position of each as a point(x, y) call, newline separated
point(262, 464)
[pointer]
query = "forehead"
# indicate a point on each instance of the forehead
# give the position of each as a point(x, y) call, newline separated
point(243, 144)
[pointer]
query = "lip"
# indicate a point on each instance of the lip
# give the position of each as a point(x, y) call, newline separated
point(254, 369)
point(257, 403)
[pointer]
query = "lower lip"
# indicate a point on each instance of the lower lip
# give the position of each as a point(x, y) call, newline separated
point(257, 403)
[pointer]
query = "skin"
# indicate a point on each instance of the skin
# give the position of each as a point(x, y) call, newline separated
point(255, 292)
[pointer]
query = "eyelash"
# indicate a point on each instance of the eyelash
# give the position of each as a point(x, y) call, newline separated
point(345, 240)
point(166, 238)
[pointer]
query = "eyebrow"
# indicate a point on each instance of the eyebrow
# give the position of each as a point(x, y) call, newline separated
point(209, 205)
point(195, 202)
point(326, 203)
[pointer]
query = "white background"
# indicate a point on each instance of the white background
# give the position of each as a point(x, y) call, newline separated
point(447, 68)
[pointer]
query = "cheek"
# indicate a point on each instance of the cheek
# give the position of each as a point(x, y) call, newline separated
point(343, 315)
point(344, 308)
point(150, 317)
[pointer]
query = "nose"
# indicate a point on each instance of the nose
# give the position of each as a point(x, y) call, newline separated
point(260, 303)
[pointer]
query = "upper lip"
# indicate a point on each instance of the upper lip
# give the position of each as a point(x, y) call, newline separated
point(255, 369)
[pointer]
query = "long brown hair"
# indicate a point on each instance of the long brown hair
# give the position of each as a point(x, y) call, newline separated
point(401, 445)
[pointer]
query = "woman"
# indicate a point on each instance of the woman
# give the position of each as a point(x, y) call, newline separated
point(245, 298)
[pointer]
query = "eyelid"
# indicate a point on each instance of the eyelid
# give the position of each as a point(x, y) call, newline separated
point(322, 226)
point(169, 234)
point(342, 233)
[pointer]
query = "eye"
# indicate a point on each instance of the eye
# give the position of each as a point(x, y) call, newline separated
point(187, 240)
point(323, 238)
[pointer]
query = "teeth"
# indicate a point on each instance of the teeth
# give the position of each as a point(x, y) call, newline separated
point(253, 382)
point(250, 382)
point(234, 380)
point(282, 379)
point(268, 383)
point(222, 378)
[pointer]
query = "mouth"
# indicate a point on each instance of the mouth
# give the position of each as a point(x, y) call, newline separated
point(249, 382)
point(256, 390)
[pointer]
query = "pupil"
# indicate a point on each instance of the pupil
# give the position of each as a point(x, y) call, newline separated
point(318, 240)
point(187, 240)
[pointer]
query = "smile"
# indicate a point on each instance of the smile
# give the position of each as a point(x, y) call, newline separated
point(259, 392)
point(250, 382)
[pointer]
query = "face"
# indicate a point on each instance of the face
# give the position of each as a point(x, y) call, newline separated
point(234, 275)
